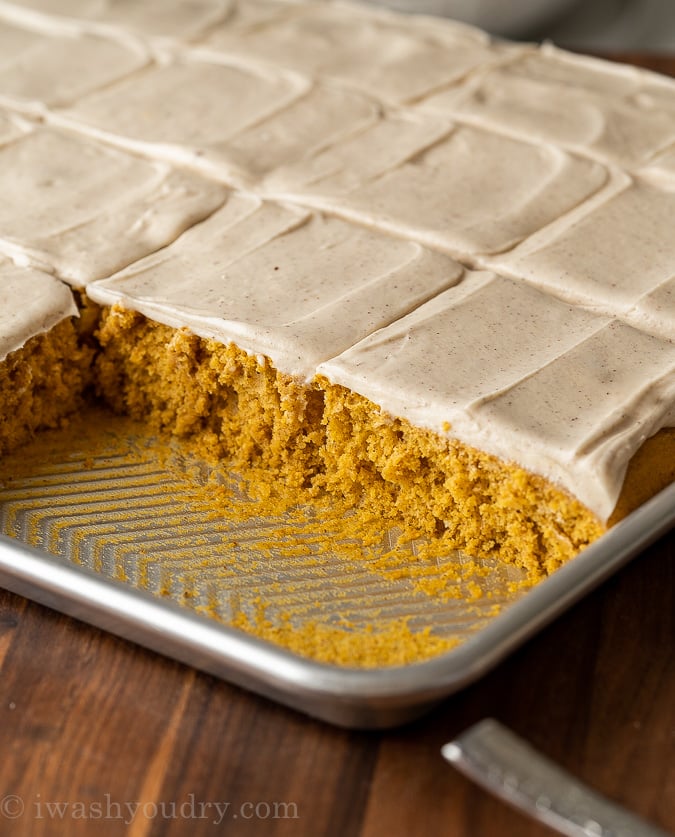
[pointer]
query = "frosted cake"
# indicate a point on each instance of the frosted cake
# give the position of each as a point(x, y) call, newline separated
point(373, 255)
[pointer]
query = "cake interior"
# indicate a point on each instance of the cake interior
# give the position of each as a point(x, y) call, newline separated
point(313, 438)
point(43, 382)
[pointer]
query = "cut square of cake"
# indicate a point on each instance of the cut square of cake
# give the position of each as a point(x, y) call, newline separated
point(324, 283)
point(82, 210)
point(45, 364)
point(241, 382)
point(43, 67)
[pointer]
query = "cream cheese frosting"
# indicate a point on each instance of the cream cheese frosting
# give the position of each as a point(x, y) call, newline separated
point(663, 164)
point(172, 19)
point(561, 391)
point(617, 114)
point(430, 181)
point(11, 126)
point(83, 210)
point(247, 15)
point(246, 120)
point(40, 69)
point(31, 303)
point(337, 40)
point(654, 311)
point(320, 284)
point(615, 259)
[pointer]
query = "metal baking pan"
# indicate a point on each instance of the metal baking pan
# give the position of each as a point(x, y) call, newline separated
point(102, 516)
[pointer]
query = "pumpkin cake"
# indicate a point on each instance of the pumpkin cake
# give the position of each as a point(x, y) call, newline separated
point(361, 251)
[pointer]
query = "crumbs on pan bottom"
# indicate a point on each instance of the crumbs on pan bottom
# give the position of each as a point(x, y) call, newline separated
point(306, 573)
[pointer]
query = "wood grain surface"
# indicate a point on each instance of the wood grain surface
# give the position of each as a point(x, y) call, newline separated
point(98, 736)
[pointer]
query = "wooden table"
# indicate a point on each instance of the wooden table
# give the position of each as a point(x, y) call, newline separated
point(98, 736)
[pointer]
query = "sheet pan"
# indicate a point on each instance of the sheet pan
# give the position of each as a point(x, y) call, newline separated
point(87, 514)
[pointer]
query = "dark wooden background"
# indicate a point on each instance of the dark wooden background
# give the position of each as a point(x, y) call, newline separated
point(96, 734)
